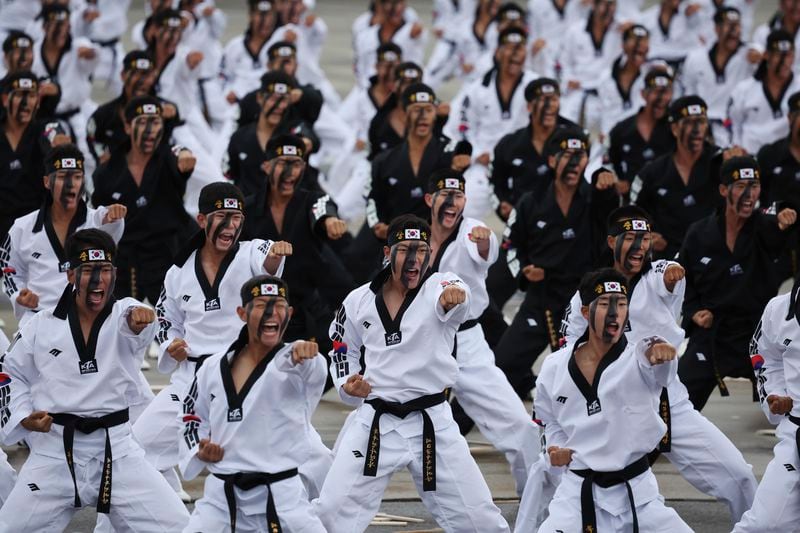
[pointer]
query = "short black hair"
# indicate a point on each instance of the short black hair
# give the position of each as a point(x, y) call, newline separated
point(89, 238)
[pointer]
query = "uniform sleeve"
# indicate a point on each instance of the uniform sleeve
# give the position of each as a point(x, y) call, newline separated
point(346, 353)
point(323, 207)
point(18, 376)
point(573, 325)
point(376, 201)
point(170, 324)
point(767, 357)
point(141, 340)
point(674, 299)
point(231, 166)
point(259, 252)
point(736, 115)
point(459, 312)
point(517, 238)
point(691, 299)
point(115, 229)
point(471, 122)
point(87, 66)
point(554, 435)
point(656, 376)
point(500, 171)
point(311, 374)
point(195, 426)
point(96, 147)
point(640, 191)
point(14, 269)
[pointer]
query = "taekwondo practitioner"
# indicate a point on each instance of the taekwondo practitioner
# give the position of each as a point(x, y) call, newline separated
point(699, 450)
point(773, 353)
point(23, 145)
point(713, 74)
point(729, 258)
point(759, 104)
point(779, 163)
point(595, 399)
point(252, 438)
point(65, 381)
point(554, 239)
point(466, 247)
point(196, 309)
point(33, 260)
point(405, 322)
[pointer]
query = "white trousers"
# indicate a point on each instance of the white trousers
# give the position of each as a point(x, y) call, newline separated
point(8, 478)
point(461, 502)
point(43, 498)
point(565, 511)
point(776, 508)
point(291, 503)
point(486, 396)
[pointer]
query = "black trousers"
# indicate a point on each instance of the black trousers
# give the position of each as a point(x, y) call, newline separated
point(714, 354)
point(533, 329)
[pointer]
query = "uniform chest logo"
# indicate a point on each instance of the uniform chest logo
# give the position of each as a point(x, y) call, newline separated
point(393, 338)
point(736, 270)
point(88, 367)
point(36, 255)
point(568, 233)
point(212, 304)
point(235, 414)
point(593, 408)
point(689, 201)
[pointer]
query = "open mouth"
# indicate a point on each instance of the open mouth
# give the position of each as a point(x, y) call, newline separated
point(411, 273)
point(270, 328)
point(287, 185)
point(747, 204)
point(225, 238)
point(612, 328)
point(96, 297)
point(636, 259)
point(450, 214)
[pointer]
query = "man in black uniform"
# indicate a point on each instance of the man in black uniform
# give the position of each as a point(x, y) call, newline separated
point(639, 139)
point(23, 145)
point(283, 210)
point(148, 176)
point(519, 166)
point(18, 56)
point(245, 157)
point(306, 99)
point(400, 174)
point(780, 164)
point(729, 259)
point(680, 187)
point(105, 130)
point(556, 238)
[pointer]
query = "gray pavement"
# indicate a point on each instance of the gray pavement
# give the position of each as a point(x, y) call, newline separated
point(737, 416)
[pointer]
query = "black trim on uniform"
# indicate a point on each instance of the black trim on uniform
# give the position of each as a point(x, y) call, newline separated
point(775, 105)
point(211, 292)
point(588, 390)
point(447, 242)
point(236, 399)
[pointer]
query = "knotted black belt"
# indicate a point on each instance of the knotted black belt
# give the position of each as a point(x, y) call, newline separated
point(402, 410)
point(606, 480)
point(86, 426)
point(251, 480)
point(469, 324)
point(665, 444)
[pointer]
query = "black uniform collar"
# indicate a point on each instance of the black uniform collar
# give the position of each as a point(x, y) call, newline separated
point(447, 242)
point(43, 216)
point(588, 390)
point(234, 399)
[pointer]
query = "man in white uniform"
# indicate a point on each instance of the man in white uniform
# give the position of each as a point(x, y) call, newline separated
point(773, 352)
point(589, 396)
point(64, 392)
point(405, 321)
point(32, 258)
point(251, 439)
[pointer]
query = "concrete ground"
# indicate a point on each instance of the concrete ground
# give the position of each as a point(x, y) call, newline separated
point(737, 416)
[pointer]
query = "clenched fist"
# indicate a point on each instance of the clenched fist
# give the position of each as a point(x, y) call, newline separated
point(381, 229)
point(335, 228)
point(703, 318)
point(115, 212)
point(533, 273)
point(673, 275)
point(28, 298)
point(451, 296)
point(559, 456)
point(605, 180)
point(38, 421)
point(661, 353)
point(178, 350)
point(186, 161)
point(779, 405)
point(193, 59)
point(480, 234)
point(357, 386)
point(786, 218)
point(280, 249)
point(210, 452)
point(302, 350)
point(139, 318)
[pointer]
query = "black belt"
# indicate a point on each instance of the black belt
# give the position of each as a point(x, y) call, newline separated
point(199, 360)
point(665, 444)
point(106, 44)
point(469, 324)
point(251, 480)
point(796, 421)
point(606, 480)
point(402, 410)
point(86, 426)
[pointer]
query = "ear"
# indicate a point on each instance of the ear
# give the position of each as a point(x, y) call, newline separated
point(585, 312)
point(128, 128)
point(611, 241)
point(291, 312)
point(674, 127)
point(71, 276)
point(723, 190)
point(386, 252)
point(530, 107)
point(260, 98)
point(46, 181)
point(428, 199)
point(201, 220)
point(241, 313)
point(551, 161)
